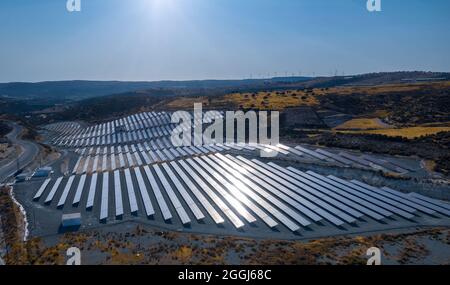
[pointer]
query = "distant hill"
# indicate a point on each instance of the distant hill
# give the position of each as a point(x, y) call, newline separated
point(78, 90)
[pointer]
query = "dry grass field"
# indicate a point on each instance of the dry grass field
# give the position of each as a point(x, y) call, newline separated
point(363, 124)
point(409, 133)
point(275, 100)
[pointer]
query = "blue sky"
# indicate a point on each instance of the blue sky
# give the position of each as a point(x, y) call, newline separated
point(220, 39)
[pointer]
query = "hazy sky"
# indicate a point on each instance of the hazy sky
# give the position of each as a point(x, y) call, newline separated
point(223, 39)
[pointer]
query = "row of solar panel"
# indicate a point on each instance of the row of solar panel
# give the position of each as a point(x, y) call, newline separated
point(249, 190)
point(134, 125)
point(151, 120)
point(101, 163)
point(346, 159)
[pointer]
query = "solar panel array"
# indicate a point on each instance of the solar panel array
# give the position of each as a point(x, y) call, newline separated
point(244, 193)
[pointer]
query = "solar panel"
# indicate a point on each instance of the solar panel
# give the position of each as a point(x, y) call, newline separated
point(138, 158)
point(118, 194)
point(168, 154)
point(312, 195)
point(130, 189)
point(341, 196)
point(385, 202)
point(153, 156)
point(42, 189)
point(104, 200)
point(354, 195)
point(356, 159)
point(130, 160)
point(147, 159)
point(144, 193)
point(172, 197)
point(174, 152)
point(304, 206)
point(430, 200)
point(159, 197)
point(121, 160)
point(66, 191)
point(188, 150)
point(239, 172)
point(322, 192)
point(418, 201)
point(234, 219)
point(86, 164)
point(237, 188)
point(187, 198)
point(53, 190)
point(181, 151)
point(161, 155)
point(229, 198)
point(92, 188)
point(250, 188)
point(75, 168)
point(79, 190)
point(94, 165)
point(334, 156)
point(311, 153)
point(402, 204)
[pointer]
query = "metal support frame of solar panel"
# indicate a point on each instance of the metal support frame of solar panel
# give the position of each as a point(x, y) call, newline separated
point(184, 193)
point(312, 194)
point(346, 198)
point(413, 199)
point(53, 190)
point(42, 189)
point(144, 193)
point(394, 197)
point(167, 215)
point(184, 217)
point(92, 189)
point(242, 193)
point(234, 175)
point(234, 219)
point(301, 195)
point(383, 202)
point(323, 193)
point(63, 198)
point(227, 196)
point(354, 195)
point(251, 180)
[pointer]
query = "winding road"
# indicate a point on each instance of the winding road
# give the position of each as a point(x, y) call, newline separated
point(29, 152)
